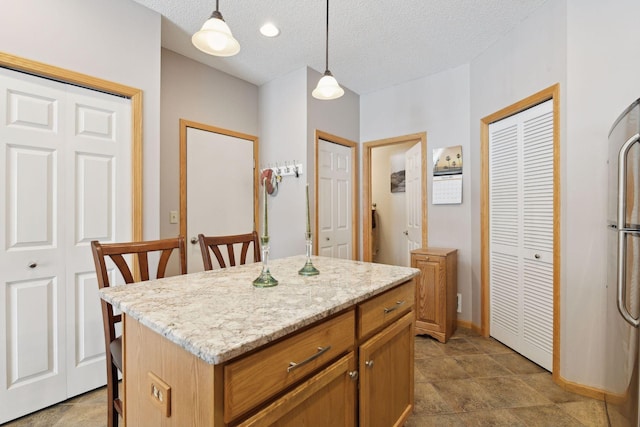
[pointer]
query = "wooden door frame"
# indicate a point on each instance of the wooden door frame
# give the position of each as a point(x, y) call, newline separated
point(353, 146)
point(366, 176)
point(552, 92)
point(135, 95)
point(184, 125)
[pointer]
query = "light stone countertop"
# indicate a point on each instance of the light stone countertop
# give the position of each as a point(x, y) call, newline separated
point(218, 315)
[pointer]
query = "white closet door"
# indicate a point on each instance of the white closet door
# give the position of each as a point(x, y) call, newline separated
point(32, 320)
point(521, 232)
point(62, 188)
point(334, 200)
point(413, 193)
point(98, 207)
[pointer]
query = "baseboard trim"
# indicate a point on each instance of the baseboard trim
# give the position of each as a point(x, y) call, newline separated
point(580, 389)
point(469, 325)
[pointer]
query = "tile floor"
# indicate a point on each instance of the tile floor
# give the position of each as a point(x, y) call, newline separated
point(470, 381)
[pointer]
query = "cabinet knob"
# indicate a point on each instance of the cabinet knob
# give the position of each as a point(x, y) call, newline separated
point(194, 240)
point(353, 375)
point(537, 256)
point(32, 264)
point(369, 363)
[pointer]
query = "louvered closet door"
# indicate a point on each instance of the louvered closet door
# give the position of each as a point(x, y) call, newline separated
point(521, 232)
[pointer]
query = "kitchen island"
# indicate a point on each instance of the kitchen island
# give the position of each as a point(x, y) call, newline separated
point(211, 349)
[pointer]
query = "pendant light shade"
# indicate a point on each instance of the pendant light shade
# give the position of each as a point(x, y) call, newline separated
point(328, 87)
point(215, 37)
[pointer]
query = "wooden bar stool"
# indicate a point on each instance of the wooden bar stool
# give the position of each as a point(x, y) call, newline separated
point(216, 242)
point(113, 343)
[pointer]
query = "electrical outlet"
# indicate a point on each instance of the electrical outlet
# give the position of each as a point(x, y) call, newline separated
point(459, 307)
point(173, 217)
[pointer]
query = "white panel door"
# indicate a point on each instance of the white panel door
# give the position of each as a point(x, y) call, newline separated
point(334, 200)
point(521, 232)
point(98, 207)
point(53, 200)
point(413, 197)
point(220, 179)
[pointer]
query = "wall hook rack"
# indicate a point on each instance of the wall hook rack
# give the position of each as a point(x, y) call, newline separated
point(288, 169)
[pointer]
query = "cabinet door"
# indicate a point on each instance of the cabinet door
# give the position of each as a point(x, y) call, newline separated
point(430, 293)
point(386, 375)
point(326, 399)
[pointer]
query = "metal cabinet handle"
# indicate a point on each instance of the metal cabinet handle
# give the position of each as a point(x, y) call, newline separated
point(32, 264)
point(194, 240)
point(353, 375)
point(321, 351)
point(395, 307)
point(621, 289)
point(369, 363)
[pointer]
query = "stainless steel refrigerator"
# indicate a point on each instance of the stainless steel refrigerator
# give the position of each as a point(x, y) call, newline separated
point(623, 269)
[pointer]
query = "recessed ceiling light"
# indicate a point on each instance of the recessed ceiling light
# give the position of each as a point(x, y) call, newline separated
point(269, 30)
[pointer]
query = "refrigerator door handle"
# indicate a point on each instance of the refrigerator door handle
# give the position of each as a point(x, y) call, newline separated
point(622, 232)
point(622, 279)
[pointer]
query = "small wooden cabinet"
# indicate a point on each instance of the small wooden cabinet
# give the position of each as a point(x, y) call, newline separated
point(436, 291)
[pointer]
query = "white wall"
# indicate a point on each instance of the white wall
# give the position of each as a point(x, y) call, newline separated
point(439, 105)
point(196, 92)
point(390, 207)
point(118, 40)
point(283, 137)
point(603, 59)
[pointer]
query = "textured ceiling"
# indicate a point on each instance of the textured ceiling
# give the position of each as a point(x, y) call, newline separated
point(373, 44)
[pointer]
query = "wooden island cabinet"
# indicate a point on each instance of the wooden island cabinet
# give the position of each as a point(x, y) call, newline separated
point(436, 291)
point(341, 354)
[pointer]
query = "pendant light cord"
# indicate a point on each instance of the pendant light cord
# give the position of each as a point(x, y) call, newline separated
point(327, 41)
point(217, 6)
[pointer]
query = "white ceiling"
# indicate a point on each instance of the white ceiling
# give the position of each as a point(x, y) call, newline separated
point(373, 44)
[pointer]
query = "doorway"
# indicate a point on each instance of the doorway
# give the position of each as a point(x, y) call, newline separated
point(218, 185)
point(413, 218)
point(336, 187)
point(526, 155)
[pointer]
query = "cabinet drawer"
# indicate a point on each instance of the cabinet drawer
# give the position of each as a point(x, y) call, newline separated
point(385, 308)
point(253, 379)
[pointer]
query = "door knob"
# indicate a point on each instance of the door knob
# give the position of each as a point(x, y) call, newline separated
point(194, 240)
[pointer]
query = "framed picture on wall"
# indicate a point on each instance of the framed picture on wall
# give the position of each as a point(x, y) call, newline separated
point(397, 173)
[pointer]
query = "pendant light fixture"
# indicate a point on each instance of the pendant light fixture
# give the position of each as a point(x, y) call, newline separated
point(215, 37)
point(328, 87)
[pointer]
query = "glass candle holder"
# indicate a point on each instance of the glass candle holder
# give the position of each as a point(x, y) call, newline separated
point(308, 269)
point(265, 279)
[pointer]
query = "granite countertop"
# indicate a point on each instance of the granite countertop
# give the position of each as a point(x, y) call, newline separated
point(218, 315)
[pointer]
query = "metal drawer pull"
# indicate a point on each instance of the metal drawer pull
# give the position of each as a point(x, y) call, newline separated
point(321, 351)
point(395, 307)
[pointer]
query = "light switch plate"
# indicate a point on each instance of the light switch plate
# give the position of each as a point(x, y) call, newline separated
point(173, 217)
point(159, 393)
